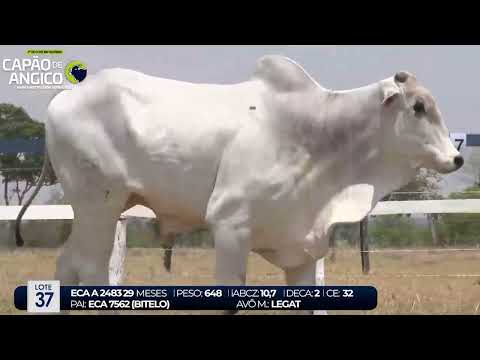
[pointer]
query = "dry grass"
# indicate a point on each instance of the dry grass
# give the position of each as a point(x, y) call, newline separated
point(396, 276)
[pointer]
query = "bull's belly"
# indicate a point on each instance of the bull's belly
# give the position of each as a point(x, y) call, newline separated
point(293, 251)
point(289, 257)
point(292, 242)
point(179, 191)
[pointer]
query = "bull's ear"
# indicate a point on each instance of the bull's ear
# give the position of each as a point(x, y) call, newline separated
point(390, 92)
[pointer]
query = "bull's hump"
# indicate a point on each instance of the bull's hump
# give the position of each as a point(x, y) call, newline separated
point(283, 74)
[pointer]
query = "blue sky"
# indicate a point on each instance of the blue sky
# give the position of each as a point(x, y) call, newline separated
point(450, 72)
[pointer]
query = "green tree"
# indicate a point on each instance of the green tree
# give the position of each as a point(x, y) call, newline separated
point(472, 165)
point(22, 170)
point(463, 228)
point(425, 186)
point(397, 231)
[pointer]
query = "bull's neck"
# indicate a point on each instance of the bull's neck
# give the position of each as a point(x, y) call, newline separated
point(358, 152)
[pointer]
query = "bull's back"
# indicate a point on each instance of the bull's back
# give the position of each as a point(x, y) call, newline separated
point(163, 139)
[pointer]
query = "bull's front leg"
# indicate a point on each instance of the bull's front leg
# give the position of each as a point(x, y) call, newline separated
point(309, 274)
point(232, 246)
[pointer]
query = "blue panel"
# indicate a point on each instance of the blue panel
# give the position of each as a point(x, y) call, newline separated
point(473, 139)
point(15, 146)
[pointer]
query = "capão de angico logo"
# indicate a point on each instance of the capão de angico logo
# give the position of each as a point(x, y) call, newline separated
point(76, 71)
point(43, 69)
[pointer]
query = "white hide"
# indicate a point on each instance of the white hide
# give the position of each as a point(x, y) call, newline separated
point(270, 163)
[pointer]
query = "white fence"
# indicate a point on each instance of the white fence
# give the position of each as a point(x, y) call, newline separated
point(427, 207)
point(65, 212)
point(62, 212)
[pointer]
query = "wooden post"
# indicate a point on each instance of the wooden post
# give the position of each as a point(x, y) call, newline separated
point(167, 247)
point(320, 281)
point(332, 245)
point(364, 245)
point(117, 259)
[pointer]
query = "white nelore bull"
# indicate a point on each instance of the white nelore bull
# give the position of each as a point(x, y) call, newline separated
point(269, 164)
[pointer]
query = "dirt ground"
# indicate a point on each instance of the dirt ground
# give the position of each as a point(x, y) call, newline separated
point(407, 283)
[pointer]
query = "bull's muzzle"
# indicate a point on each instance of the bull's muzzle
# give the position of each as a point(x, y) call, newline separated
point(458, 161)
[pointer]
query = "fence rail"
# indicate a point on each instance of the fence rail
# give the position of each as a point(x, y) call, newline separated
point(65, 212)
point(62, 212)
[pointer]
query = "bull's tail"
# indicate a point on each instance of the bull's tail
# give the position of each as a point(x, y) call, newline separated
point(45, 168)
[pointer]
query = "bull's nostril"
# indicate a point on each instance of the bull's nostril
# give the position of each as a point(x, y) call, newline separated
point(458, 160)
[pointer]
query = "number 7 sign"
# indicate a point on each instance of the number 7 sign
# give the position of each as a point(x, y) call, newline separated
point(459, 140)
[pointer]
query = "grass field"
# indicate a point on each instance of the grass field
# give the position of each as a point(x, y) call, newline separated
point(407, 283)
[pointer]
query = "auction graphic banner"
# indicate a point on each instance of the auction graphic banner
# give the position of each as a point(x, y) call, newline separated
point(51, 297)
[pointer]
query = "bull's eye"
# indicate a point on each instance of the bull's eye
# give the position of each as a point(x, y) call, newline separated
point(419, 108)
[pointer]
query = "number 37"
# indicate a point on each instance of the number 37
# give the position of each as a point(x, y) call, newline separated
point(41, 298)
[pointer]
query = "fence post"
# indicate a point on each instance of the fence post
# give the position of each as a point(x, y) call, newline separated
point(320, 280)
point(365, 255)
point(117, 259)
point(332, 245)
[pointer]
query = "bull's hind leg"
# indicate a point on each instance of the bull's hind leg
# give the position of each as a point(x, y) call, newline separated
point(86, 256)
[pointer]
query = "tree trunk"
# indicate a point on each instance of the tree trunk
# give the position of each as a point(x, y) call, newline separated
point(5, 194)
point(28, 186)
point(17, 190)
